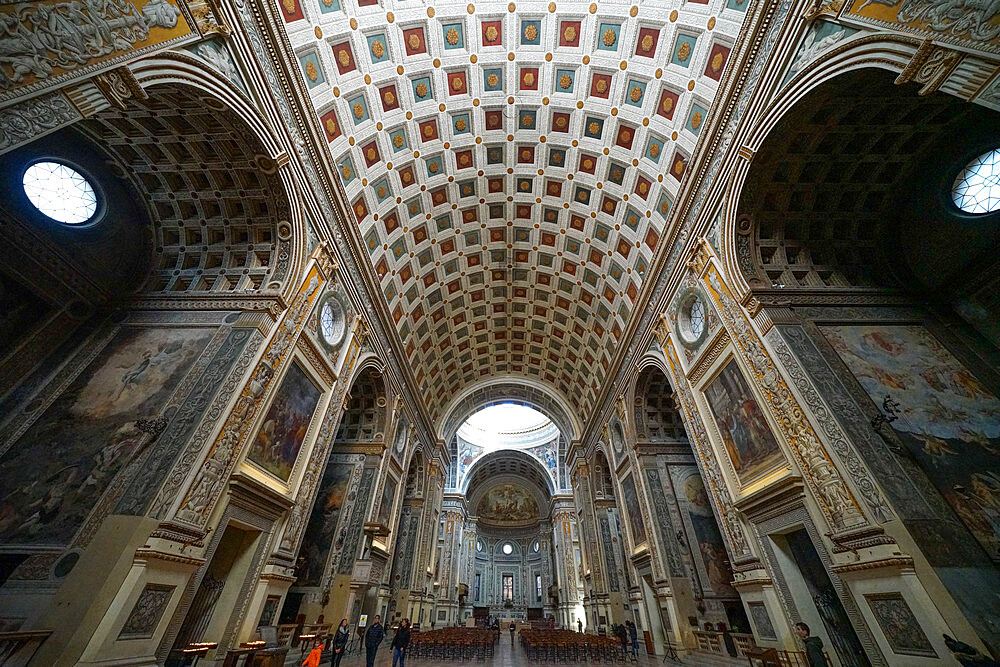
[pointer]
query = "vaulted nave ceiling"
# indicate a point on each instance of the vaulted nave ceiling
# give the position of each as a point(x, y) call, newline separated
point(511, 168)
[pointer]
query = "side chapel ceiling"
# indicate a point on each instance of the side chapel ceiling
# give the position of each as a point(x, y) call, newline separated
point(511, 168)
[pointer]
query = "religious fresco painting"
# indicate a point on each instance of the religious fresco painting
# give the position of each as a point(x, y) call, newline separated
point(322, 526)
point(507, 504)
point(899, 625)
point(284, 429)
point(53, 475)
point(548, 454)
point(467, 455)
point(631, 499)
point(706, 532)
point(388, 496)
point(748, 439)
point(944, 416)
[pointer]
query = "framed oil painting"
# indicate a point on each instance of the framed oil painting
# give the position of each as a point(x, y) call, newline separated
point(322, 527)
point(388, 496)
point(286, 423)
point(745, 432)
point(630, 497)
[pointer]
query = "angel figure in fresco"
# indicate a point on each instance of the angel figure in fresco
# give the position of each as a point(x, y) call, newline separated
point(134, 374)
point(47, 507)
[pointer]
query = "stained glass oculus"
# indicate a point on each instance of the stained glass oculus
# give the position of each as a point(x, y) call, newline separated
point(60, 192)
point(977, 188)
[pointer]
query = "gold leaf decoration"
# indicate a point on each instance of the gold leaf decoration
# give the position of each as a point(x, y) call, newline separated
point(561, 121)
point(609, 37)
point(695, 120)
point(346, 171)
point(593, 128)
point(398, 141)
point(635, 94)
point(492, 80)
point(381, 191)
point(678, 167)
point(654, 149)
point(647, 42)
point(625, 134)
point(717, 62)
point(421, 90)
point(588, 163)
point(311, 71)
point(601, 85)
point(451, 36)
point(460, 124)
point(528, 78)
point(643, 188)
point(344, 57)
point(530, 33)
point(456, 83)
point(428, 131)
point(664, 206)
point(331, 126)
point(492, 33)
point(557, 158)
point(389, 98)
point(668, 104)
point(289, 6)
point(433, 167)
point(378, 49)
point(414, 41)
point(527, 120)
point(359, 110)
point(565, 81)
point(569, 34)
point(684, 51)
point(371, 154)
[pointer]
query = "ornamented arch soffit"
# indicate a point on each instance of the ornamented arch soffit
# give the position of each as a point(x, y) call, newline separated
point(511, 168)
point(507, 467)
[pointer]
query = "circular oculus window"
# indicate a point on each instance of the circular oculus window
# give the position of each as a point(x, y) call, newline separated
point(691, 319)
point(332, 322)
point(507, 548)
point(976, 189)
point(60, 192)
point(535, 547)
point(479, 545)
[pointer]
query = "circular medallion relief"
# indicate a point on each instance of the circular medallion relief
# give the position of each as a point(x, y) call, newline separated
point(332, 322)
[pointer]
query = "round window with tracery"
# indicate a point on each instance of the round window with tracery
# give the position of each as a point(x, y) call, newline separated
point(332, 323)
point(691, 319)
point(60, 192)
point(976, 189)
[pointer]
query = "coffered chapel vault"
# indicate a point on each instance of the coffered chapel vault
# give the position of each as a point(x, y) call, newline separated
point(679, 312)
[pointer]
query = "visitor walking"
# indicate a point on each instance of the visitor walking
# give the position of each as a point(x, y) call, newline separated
point(633, 633)
point(579, 625)
point(373, 637)
point(512, 628)
point(400, 642)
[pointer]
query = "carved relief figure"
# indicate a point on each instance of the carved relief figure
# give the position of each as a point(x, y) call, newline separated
point(945, 417)
point(283, 431)
point(745, 432)
point(53, 474)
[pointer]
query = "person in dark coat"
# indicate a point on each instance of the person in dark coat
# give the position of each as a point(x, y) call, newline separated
point(622, 633)
point(633, 633)
point(400, 642)
point(373, 637)
point(512, 628)
point(579, 625)
point(340, 639)
point(814, 646)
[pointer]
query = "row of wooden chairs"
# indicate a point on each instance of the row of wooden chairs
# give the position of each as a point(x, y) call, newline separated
point(566, 646)
point(454, 644)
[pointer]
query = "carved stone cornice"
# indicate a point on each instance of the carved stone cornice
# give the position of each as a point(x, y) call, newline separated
point(258, 497)
point(896, 562)
point(931, 65)
point(119, 87)
point(272, 304)
point(145, 554)
point(755, 582)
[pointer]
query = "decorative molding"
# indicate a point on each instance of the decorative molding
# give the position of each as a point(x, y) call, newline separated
point(26, 121)
point(119, 87)
point(895, 562)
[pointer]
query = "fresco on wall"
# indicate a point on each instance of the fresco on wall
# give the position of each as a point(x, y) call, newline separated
point(631, 500)
point(467, 455)
point(751, 446)
point(54, 474)
point(507, 503)
point(322, 525)
point(706, 531)
point(284, 429)
point(945, 417)
point(388, 496)
point(548, 454)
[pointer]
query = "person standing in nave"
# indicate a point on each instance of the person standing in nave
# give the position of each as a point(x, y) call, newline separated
point(373, 637)
point(340, 639)
point(814, 646)
point(400, 642)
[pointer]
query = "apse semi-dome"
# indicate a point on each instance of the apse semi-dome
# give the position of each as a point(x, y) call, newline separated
point(510, 168)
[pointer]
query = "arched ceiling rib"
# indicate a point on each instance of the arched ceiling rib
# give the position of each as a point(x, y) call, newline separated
point(503, 392)
point(507, 464)
point(511, 167)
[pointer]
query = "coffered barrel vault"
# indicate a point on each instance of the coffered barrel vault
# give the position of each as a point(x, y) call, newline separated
point(511, 169)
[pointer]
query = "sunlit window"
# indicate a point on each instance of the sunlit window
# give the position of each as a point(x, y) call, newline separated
point(60, 192)
point(977, 187)
point(507, 548)
point(508, 586)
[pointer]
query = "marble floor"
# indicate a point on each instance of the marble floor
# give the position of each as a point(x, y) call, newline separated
point(507, 655)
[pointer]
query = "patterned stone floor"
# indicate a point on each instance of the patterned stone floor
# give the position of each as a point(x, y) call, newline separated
point(507, 656)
